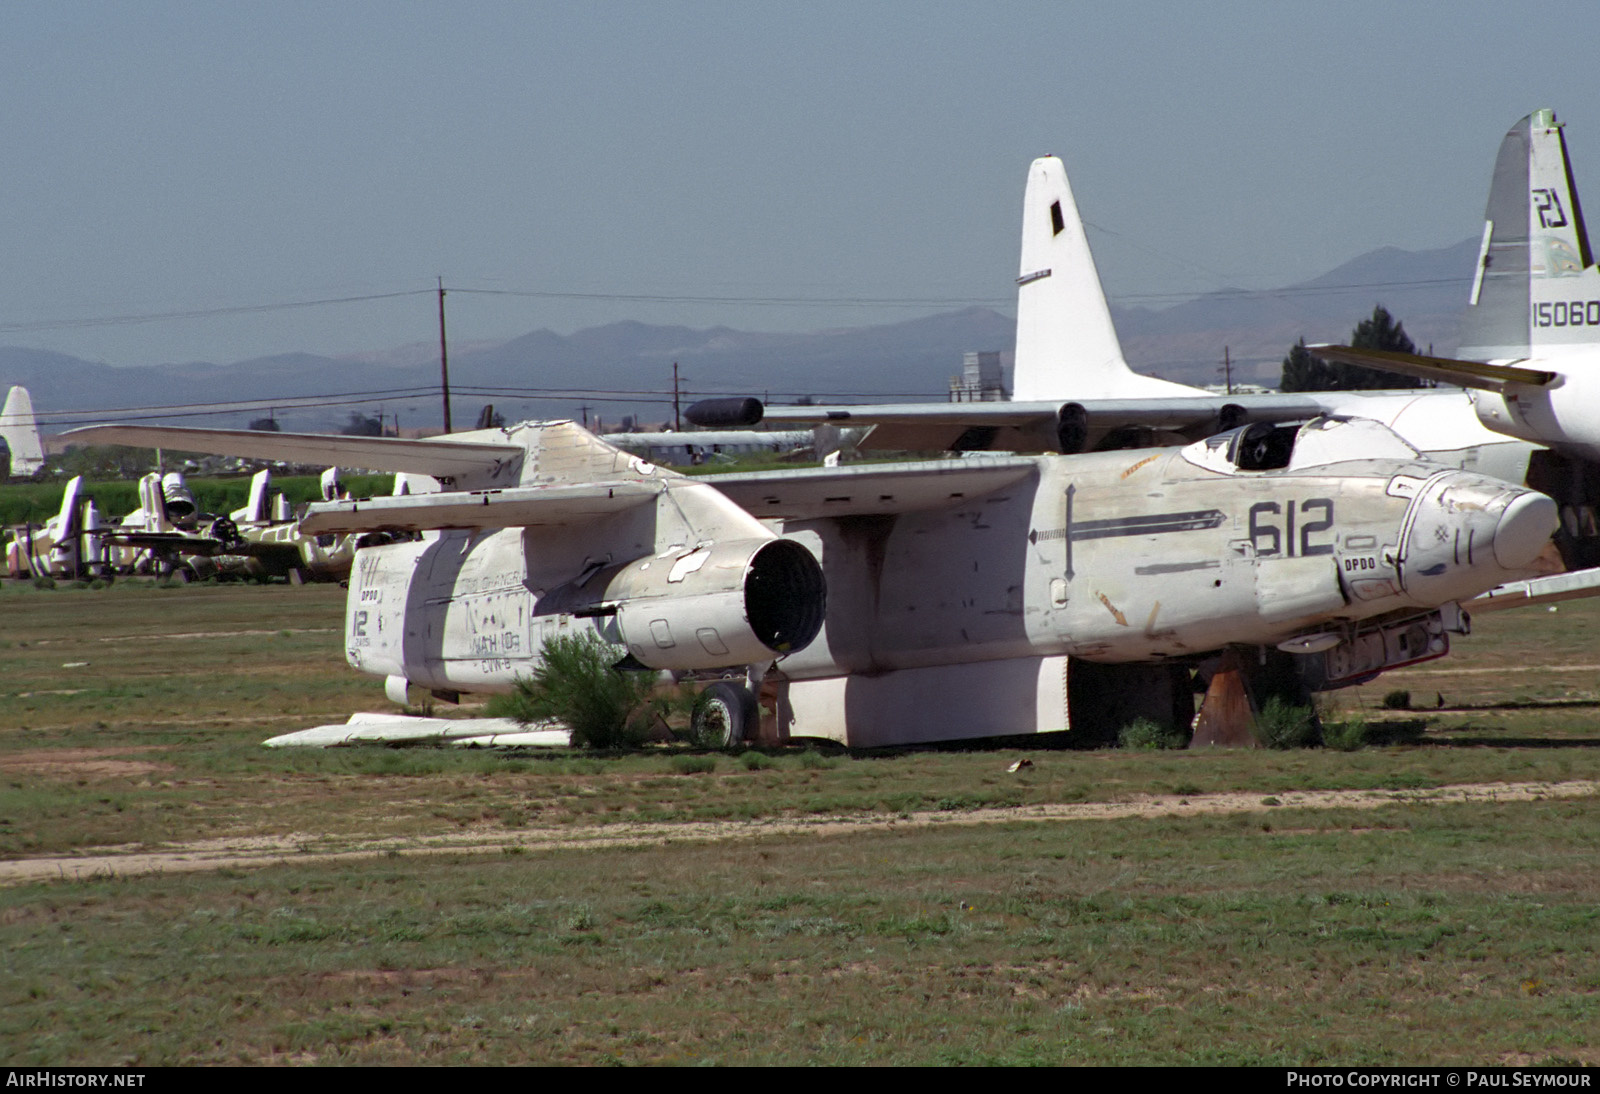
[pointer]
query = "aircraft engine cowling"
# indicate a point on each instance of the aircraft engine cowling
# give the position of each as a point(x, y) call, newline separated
point(719, 605)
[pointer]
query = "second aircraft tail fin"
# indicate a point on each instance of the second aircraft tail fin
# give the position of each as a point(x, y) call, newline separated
point(1067, 346)
point(1536, 291)
point(20, 430)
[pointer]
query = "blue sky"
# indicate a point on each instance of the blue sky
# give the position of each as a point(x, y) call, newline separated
point(754, 158)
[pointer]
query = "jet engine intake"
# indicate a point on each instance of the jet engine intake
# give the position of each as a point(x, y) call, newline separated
point(719, 605)
point(1465, 532)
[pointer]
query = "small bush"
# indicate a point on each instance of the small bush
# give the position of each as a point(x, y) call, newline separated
point(1280, 725)
point(1346, 736)
point(576, 685)
point(694, 765)
point(1399, 699)
point(1145, 733)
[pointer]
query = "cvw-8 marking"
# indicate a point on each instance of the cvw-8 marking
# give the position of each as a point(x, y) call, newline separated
point(1265, 524)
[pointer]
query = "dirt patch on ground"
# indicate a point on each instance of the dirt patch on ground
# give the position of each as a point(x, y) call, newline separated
point(236, 853)
point(80, 763)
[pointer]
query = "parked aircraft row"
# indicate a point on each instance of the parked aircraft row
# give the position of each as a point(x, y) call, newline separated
point(951, 599)
point(167, 536)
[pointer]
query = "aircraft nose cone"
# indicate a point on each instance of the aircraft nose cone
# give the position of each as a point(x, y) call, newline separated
point(1524, 529)
point(1467, 533)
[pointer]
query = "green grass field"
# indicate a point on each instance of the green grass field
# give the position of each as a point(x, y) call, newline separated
point(858, 914)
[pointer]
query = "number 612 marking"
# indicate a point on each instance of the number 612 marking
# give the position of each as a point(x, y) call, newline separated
point(1265, 524)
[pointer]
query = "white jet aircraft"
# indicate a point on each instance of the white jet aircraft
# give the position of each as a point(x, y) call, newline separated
point(893, 604)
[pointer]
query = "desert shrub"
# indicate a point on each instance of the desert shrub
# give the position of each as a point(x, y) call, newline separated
point(694, 765)
point(1145, 733)
point(1282, 725)
point(1399, 699)
point(576, 684)
point(1347, 735)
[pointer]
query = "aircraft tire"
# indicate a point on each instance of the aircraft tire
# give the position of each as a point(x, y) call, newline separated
point(722, 715)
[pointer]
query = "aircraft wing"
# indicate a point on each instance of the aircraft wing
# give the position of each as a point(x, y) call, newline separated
point(709, 439)
point(859, 490)
point(1039, 426)
point(370, 727)
point(1573, 585)
point(521, 506)
point(1446, 370)
point(188, 543)
point(438, 457)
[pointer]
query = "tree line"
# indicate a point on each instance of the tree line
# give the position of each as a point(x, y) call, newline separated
point(1305, 371)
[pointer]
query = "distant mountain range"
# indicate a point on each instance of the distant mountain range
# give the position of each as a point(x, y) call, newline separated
point(543, 374)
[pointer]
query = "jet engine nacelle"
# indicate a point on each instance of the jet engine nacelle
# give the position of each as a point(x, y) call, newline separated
point(1563, 417)
point(718, 605)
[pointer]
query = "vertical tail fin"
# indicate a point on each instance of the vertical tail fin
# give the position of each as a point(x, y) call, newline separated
point(1536, 291)
point(255, 510)
point(152, 514)
point(1067, 346)
point(20, 431)
point(67, 518)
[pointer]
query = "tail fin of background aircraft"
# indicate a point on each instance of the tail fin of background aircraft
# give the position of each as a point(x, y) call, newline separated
point(1536, 292)
point(255, 509)
point(1066, 344)
point(66, 523)
point(20, 431)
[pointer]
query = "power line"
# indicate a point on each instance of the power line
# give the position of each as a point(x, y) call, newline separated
point(204, 313)
point(924, 302)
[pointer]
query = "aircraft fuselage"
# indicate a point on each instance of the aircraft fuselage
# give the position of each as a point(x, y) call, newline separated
point(1110, 557)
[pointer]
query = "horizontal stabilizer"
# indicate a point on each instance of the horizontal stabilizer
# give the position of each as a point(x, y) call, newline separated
point(438, 457)
point(521, 506)
point(1445, 370)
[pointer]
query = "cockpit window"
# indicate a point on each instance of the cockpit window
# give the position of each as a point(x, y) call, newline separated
point(1337, 440)
point(1263, 446)
point(1269, 446)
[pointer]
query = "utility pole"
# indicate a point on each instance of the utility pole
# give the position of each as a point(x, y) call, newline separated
point(677, 415)
point(444, 359)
